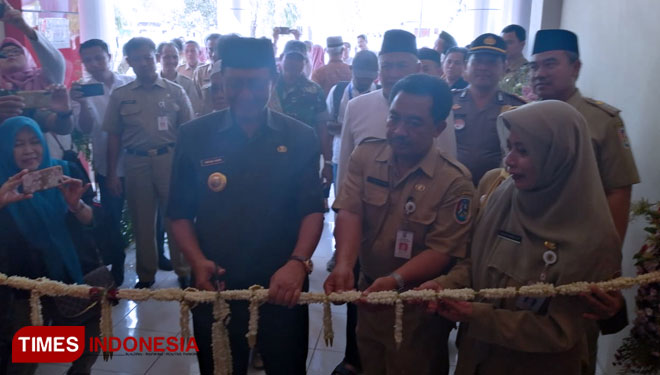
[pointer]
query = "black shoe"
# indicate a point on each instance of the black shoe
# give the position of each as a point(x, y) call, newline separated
point(117, 273)
point(184, 282)
point(144, 284)
point(164, 264)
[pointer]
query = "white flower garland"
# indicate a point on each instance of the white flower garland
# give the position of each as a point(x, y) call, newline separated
point(256, 295)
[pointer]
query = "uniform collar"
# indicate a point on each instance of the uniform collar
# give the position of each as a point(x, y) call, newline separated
point(227, 121)
point(575, 99)
point(160, 82)
point(427, 164)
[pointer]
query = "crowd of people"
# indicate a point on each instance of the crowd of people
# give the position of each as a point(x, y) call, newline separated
point(452, 166)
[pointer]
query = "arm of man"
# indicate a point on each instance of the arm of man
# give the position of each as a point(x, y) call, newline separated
point(347, 146)
point(51, 58)
point(112, 125)
point(183, 232)
point(348, 232)
point(619, 202)
point(186, 112)
point(287, 282)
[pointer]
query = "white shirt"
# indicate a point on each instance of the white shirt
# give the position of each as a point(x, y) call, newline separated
point(97, 106)
point(350, 92)
point(366, 117)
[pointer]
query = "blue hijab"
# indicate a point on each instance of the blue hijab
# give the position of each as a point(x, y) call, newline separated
point(42, 219)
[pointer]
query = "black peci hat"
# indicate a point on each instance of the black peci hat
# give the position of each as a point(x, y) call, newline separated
point(398, 41)
point(555, 39)
point(248, 53)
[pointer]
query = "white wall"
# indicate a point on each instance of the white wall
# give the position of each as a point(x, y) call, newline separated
point(619, 48)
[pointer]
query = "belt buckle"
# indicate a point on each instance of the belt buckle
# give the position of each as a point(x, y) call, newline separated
point(152, 152)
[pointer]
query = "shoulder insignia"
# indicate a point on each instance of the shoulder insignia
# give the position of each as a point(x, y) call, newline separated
point(372, 140)
point(610, 110)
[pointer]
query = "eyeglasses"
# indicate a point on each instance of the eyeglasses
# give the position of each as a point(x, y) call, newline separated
point(11, 51)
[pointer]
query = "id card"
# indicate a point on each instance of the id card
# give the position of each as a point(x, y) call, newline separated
point(404, 244)
point(163, 123)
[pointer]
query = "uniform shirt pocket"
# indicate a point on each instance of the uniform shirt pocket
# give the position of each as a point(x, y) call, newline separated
point(130, 113)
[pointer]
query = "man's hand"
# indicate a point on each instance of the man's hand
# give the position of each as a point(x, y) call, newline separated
point(77, 94)
point(286, 284)
point(296, 33)
point(382, 284)
point(15, 18)
point(59, 102)
point(203, 271)
point(9, 190)
point(456, 311)
point(341, 279)
point(334, 128)
point(11, 106)
point(431, 306)
point(602, 305)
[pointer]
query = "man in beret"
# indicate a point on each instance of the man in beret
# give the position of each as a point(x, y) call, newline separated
point(302, 99)
point(335, 70)
point(476, 107)
point(430, 60)
point(246, 209)
point(366, 115)
point(555, 68)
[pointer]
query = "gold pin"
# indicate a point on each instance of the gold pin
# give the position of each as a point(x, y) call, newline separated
point(456, 106)
point(217, 182)
point(282, 148)
point(489, 40)
point(550, 245)
point(420, 187)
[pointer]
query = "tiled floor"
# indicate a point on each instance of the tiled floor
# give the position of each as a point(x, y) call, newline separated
point(152, 318)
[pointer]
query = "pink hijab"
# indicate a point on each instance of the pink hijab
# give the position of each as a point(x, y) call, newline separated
point(28, 79)
point(318, 57)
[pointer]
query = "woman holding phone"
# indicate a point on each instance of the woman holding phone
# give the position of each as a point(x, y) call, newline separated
point(36, 233)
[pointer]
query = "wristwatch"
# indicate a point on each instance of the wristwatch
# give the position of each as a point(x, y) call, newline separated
point(307, 262)
point(400, 283)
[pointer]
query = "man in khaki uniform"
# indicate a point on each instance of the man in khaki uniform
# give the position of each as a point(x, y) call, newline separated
point(476, 107)
point(555, 67)
point(143, 117)
point(405, 209)
point(202, 75)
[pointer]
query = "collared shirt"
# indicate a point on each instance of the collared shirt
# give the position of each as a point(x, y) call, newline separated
point(459, 84)
point(366, 117)
point(191, 90)
point(440, 189)
point(304, 100)
point(250, 225)
point(350, 92)
point(147, 117)
point(186, 70)
point(97, 106)
point(611, 145)
point(476, 131)
point(202, 77)
point(331, 73)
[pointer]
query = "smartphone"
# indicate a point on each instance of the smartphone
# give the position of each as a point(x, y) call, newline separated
point(283, 30)
point(91, 89)
point(36, 99)
point(42, 179)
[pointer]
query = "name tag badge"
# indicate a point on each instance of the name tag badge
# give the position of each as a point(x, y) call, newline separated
point(163, 123)
point(404, 244)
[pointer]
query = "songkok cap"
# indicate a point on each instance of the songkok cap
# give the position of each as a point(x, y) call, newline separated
point(365, 65)
point(295, 47)
point(488, 43)
point(555, 39)
point(334, 41)
point(428, 54)
point(398, 41)
point(248, 53)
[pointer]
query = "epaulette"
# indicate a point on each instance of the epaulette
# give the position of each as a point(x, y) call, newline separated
point(372, 140)
point(612, 111)
point(525, 101)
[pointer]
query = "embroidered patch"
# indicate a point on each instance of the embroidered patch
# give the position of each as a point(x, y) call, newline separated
point(217, 182)
point(212, 161)
point(420, 187)
point(459, 123)
point(462, 211)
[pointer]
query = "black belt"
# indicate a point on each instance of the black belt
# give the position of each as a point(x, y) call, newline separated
point(152, 152)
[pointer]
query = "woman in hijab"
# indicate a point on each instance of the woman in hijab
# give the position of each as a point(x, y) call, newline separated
point(19, 72)
point(35, 233)
point(317, 57)
point(548, 222)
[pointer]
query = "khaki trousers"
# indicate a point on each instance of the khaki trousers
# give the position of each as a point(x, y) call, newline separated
point(422, 352)
point(147, 189)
